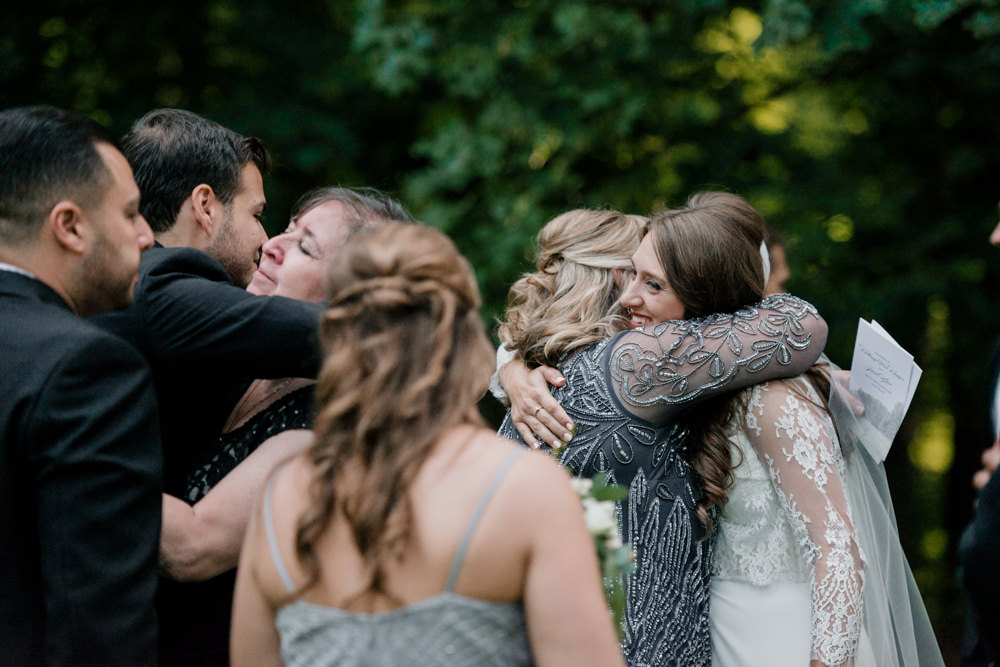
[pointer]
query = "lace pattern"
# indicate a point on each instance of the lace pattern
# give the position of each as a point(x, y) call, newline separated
point(801, 521)
point(754, 541)
point(292, 411)
point(659, 371)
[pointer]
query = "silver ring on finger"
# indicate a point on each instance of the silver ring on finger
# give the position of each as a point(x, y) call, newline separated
point(535, 413)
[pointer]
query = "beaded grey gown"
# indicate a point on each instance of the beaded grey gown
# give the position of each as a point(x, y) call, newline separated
point(625, 395)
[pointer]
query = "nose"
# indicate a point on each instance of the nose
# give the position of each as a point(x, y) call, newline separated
point(274, 248)
point(995, 236)
point(144, 233)
point(630, 295)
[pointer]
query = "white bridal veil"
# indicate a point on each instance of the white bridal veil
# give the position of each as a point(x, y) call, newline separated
point(894, 615)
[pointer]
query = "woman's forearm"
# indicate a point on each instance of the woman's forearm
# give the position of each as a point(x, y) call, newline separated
point(201, 541)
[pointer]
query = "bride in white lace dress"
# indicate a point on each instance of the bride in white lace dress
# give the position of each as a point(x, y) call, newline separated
point(788, 575)
point(808, 568)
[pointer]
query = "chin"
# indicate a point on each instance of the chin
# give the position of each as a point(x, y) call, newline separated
point(260, 288)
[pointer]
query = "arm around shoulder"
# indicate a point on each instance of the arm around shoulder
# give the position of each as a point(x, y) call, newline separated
point(195, 315)
point(660, 370)
point(201, 541)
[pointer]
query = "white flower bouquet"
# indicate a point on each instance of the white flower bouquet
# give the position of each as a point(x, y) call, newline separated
point(616, 559)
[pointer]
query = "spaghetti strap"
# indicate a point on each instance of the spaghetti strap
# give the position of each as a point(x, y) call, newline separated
point(272, 540)
point(456, 564)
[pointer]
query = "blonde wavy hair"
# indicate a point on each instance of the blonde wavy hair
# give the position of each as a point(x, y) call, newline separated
point(571, 300)
point(406, 358)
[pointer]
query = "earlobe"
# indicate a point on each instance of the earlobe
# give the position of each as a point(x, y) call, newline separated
point(70, 227)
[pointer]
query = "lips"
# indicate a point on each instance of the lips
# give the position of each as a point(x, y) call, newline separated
point(637, 320)
point(259, 273)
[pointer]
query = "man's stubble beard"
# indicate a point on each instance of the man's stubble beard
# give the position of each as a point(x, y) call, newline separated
point(103, 289)
point(226, 251)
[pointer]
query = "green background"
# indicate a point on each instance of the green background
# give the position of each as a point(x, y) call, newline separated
point(866, 132)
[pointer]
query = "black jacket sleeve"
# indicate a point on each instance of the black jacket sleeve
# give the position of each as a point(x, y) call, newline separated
point(97, 463)
point(189, 317)
point(979, 562)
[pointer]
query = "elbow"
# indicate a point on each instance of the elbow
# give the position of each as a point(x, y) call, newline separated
point(187, 556)
point(188, 564)
point(819, 334)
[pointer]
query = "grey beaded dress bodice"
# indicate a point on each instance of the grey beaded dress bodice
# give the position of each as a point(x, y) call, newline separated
point(442, 630)
point(625, 396)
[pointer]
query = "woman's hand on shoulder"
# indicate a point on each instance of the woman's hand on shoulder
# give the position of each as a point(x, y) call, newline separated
point(536, 415)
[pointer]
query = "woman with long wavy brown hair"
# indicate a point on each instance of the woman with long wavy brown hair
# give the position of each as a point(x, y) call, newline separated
point(408, 533)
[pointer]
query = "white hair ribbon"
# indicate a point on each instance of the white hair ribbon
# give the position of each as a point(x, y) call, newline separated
point(766, 259)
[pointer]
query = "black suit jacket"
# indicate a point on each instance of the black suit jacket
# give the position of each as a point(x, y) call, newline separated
point(979, 556)
point(979, 559)
point(205, 339)
point(80, 483)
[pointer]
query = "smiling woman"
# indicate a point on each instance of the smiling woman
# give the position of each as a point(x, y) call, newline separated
point(292, 263)
point(648, 297)
point(203, 540)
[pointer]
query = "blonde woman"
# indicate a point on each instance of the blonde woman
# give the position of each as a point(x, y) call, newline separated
point(407, 533)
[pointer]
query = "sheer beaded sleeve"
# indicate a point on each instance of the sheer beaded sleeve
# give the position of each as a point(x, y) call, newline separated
point(659, 370)
point(797, 443)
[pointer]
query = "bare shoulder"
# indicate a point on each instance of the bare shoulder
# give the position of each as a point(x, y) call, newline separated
point(291, 480)
point(298, 437)
point(534, 478)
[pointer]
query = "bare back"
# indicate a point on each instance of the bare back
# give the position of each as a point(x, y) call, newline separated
point(529, 546)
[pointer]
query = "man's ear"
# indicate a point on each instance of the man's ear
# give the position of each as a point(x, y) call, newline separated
point(70, 227)
point(207, 208)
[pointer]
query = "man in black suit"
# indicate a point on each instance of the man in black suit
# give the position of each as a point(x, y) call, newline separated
point(80, 467)
point(979, 546)
point(203, 335)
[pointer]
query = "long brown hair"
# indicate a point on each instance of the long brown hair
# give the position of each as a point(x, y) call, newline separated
point(406, 358)
point(710, 252)
point(571, 300)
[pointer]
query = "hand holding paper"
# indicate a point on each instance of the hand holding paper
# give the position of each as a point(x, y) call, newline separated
point(884, 377)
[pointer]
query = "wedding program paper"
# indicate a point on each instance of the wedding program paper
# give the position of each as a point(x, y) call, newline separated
point(884, 377)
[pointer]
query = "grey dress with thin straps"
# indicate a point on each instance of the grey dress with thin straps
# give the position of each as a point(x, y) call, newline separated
point(445, 629)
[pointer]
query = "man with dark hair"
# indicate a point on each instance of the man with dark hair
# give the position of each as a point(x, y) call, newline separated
point(202, 186)
point(79, 444)
point(202, 334)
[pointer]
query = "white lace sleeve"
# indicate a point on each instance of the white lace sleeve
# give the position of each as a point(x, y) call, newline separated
point(504, 356)
point(797, 442)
